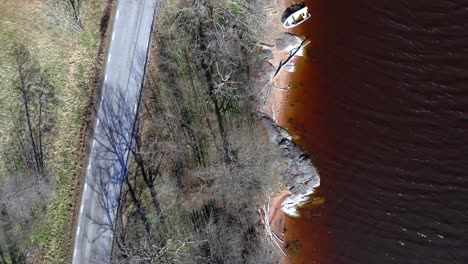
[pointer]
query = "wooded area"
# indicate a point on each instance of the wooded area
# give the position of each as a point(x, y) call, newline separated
point(202, 164)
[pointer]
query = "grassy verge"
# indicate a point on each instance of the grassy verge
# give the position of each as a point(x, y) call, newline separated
point(67, 57)
point(202, 164)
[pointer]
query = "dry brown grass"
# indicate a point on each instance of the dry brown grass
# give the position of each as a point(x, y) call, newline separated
point(67, 55)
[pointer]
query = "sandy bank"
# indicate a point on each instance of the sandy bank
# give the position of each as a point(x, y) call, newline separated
point(276, 47)
point(298, 175)
point(278, 43)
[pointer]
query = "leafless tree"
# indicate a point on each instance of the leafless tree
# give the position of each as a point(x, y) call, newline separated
point(25, 187)
point(221, 42)
point(34, 118)
point(65, 14)
point(196, 146)
point(75, 9)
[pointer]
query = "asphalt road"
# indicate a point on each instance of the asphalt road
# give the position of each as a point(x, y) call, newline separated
point(106, 170)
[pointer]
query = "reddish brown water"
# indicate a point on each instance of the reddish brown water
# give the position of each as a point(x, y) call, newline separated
point(381, 105)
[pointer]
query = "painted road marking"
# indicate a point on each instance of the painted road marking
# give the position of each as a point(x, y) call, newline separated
point(74, 253)
point(105, 78)
point(117, 16)
point(108, 59)
point(113, 35)
point(81, 209)
point(89, 166)
point(97, 122)
point(94, 143)
point(78, 231)
point(85, 187)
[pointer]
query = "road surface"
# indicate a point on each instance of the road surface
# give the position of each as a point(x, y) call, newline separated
point(106, 170)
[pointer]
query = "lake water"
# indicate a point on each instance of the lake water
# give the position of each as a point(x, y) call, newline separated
point(381, 105)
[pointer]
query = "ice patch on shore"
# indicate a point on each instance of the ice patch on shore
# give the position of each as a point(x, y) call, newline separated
point(294, 201)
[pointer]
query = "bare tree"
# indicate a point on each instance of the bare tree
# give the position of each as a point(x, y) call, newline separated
point(65, 14)
point(35, 117)
point(75, 9)
point(222, 46)
point(200, 163)
point(24, 191)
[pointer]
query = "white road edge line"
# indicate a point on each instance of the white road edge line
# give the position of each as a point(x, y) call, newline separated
point(78, 231)
point(81, 209)
point(85, 187)
point(105, 78)
point(117, 15)
point(94, 143)
point(97, 122)
point(113, 35)
point(74, 253)
point(89, 166)
point(136, 107)
point(108, 59)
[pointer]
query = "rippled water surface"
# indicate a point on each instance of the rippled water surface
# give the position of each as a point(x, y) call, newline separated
point(381, 104)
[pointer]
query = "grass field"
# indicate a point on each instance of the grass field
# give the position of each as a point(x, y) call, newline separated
point(65, 52)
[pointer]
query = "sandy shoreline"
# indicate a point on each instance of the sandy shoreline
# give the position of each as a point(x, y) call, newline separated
point(276, 216)
point(279, 42)
point(275, 96)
